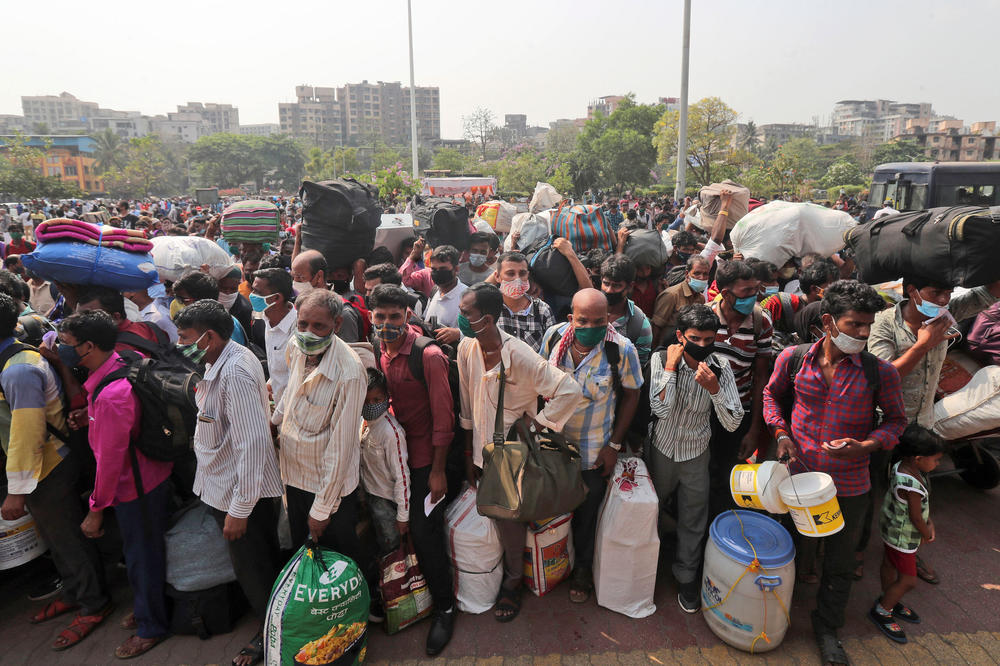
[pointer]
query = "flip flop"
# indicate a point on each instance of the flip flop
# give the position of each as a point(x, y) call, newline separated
point(509, 604)
point(580, 586)
point(255, 650)
point(136, 646)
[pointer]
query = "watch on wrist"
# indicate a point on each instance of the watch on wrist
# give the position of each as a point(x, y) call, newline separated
point(616, 447)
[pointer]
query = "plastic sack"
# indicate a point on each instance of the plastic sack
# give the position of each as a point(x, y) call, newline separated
point(627, 545)
point(711, 204)
point(974, 409)
point(780, 230)
point(176, 255)
point(197, 555)
point(548, 554)
point(532, 227)
point(498, 214)
point(404, 590)
point(476, 554)
point(543, 198)
point(82, 263)
point(318, 612)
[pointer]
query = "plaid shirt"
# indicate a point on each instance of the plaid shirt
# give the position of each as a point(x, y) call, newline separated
point(843, 409)
point(528, 325)
point(614, 218)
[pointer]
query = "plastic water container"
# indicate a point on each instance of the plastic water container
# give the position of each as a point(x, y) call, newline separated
point(749, 615)
point(811, 498)
point(756, 486)
point(19, 542)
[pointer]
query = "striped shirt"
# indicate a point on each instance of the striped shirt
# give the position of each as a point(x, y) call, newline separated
point(895, 526)
point(593, 422)
point(384, 469)
point(528, 325)
point(742, 348)
point(683, 407)
point(237, 465)
point(320, 417)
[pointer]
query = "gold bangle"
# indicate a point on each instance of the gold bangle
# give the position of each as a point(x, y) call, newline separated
point(724, 212)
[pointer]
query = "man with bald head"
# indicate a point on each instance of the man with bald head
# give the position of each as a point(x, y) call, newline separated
point(606, 365)
point(309, 271)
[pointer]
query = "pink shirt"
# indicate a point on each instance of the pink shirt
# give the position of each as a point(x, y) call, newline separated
point(417, 277)
point(114, 422)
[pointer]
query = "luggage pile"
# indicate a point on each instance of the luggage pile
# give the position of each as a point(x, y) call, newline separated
point(251, 221)
point(176, 255)
point(339, 219)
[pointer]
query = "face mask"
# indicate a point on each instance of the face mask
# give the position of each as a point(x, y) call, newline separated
point(698, 285)
point(302, 287)
point(787, 273)
point(259, 303)
point(847, 344)
point(373, 410)
point(175, 307)
point(596, 281)
point(514, 288)
point(442, 276)
point(465, 326)
point(228, 300)
point(928, 309)
point(771, 290)
point(68, 355)
point(192, 351)
point(697, 352)
point(683, 256)
point(590, 337)
point(311, 344)
point(16, 235)
point(745, 305)
point(389, 332)
point(614, 297)
point(477, 260)
point(341, 286)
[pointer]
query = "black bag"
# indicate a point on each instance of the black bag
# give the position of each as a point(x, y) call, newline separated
point(441, 222)
point(550, 269)
point(952, 246)
point(339, 219)
point(646, 248)
point(206, 613)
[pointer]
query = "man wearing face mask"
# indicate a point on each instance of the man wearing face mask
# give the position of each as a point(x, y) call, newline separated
point(617, 277)
point(605, 364)
point(237, 474)
point(236, 303)
point(356, 317)
point(271, 299)
point(196, 286)
point(308, 272)
point(689, 383)
point(671, 300)
point(522, 316)
point(483, 249)
point(443, 305)
point(766, 274)
point(832, 428)
point(143, 337)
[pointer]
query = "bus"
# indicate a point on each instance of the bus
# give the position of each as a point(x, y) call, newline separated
point(922, 185)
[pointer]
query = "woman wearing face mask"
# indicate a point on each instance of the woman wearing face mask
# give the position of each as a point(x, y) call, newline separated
point(237, 304)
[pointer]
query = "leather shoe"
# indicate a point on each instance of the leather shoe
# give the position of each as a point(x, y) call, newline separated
point(442, 626)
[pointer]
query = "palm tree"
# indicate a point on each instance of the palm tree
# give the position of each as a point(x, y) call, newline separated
point(749, 136)
point(109, 150)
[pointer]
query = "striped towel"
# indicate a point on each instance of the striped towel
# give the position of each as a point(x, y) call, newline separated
point(250, 221)
point(65, 229)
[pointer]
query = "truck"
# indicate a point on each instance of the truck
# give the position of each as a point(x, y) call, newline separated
point(922, 185)
point(207, 196)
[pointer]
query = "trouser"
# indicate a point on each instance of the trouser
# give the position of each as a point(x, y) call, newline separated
point(255, 554)
point(383, 512)
point(878, 470)
point(514, 537)
point(724, 447)
point(690, 480)
point(428, 540)
point(585, 518)
point(838, 565)
point(58, 512)
point(143, 523)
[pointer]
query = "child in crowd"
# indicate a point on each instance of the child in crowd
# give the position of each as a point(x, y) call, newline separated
point(385, 474)
point(904, 524)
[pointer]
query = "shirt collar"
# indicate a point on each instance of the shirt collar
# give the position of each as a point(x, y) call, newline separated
point(330, 363)
point(525, 311)
point(286, 322)
point(686, 288)
point(212, 370)
point(97, 375)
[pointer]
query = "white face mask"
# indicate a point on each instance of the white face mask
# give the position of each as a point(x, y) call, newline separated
point(302, 287)
point(228, 300)
point(847, 344)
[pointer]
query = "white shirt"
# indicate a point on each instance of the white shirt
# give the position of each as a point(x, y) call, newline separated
point(159, 316)
point(275, 340)
point(712, 249)
point(384, 469)
point(445, 306)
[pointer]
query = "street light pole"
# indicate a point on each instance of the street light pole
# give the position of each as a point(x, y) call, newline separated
point(683, 128)
point(415, 173)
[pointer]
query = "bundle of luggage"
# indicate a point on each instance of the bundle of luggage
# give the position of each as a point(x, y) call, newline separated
point(176, 255)
point(441, 222)
point(781, 230)
point(339, 219)
point(251, 221)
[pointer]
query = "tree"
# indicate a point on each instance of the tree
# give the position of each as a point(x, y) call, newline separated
point(143, 172)
point(346, 160)
point(449, 159)
point(710, 129)
point(561, 139)
point(749, 137)
point(226, 160)
point(282, 160)
point(479, 127)
point(844, 171)
point(902, 150)
point(108, 150)
point(616, 151)
point(386, 157)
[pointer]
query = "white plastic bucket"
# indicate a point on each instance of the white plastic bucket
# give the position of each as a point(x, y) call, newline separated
point(811, 498)
point(19, 542)
point(756, 486)
point(743, 613)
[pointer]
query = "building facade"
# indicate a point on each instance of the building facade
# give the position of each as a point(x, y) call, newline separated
point(315, 115)
point(260, 129)
point(880, 119)
point(62, 112)
point(217, 117)
point(69, 158)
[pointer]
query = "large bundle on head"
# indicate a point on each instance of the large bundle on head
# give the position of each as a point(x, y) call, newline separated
point(584, 226)
point(251, 221)
point(711, 204)
point(780, 230)
point(533, 225)
point(339, 219)
point(498, 213)
point(176, 255)
point(951, 246)
point(441, 222)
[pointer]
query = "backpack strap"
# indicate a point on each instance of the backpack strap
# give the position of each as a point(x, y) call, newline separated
point(614, 358)
point(787, 314)
point(415, 361)
point(142, 344)
point(633, 327)
point(758, 323)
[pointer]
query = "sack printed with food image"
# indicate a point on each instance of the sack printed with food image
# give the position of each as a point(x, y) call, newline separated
point(318, 612)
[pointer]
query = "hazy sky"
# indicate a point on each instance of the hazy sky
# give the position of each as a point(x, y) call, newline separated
point(771, 60)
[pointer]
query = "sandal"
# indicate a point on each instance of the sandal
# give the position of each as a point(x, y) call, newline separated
point(508, 604)
point(80, 628)
point(255, 650)
point(51, 610)
point(581, 586)
point(925, 573)
point(888, 625)
point(831, 649)
point(135, 646)
point(129, 622)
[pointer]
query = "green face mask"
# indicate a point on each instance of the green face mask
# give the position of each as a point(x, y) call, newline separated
point(465, 326)
point(16, 235)
point(591, 337)
point(192, 351)
point(311, 344)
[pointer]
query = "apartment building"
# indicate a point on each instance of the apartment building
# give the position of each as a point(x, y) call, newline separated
point(880, 119)
point(260, 129)
point(62, 112)
point(217, 117)
point(315, 116)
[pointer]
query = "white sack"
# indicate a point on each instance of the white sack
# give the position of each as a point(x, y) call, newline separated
point(176, 255)
point(531, 226)
point(544, 197)
point(627, 545)
point(476, 554)
point(710, 204)
point(780, 230)
point(973, 409)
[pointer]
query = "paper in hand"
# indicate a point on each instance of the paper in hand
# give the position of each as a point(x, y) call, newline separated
point(429, 505)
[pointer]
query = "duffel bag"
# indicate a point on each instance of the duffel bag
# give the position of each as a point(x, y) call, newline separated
point(75, 262)
point(551, 269)
point(339, 219)
point(250, 221)
point(952, 246)
point(584, 226)
point(646, 248)
point(441, 222)
point(206, 613)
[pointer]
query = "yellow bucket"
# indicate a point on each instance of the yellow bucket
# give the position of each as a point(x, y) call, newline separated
point(811, 498)
point(756, 486)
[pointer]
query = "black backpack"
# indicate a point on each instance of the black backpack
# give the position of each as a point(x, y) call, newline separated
point(441, 221)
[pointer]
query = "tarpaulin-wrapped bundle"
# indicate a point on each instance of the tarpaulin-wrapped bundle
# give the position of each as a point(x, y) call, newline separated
point(711, 203)
point(780, 230)
point(339, 219)
point(176, 255)
point(251, 221)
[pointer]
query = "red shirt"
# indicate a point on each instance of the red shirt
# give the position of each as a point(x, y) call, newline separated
point(18, 247)
point(645, 298)
point(428, 422)
point(141, 329)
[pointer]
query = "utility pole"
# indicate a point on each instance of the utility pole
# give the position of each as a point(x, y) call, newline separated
point(683, 128)
point(415, 174)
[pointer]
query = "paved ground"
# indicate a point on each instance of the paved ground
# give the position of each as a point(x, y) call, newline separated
point(960, 618)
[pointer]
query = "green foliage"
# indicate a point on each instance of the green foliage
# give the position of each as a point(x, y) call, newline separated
point(710, 130)
point(228, 160)
point(449, 159)
point(902, 150)
point(616, 151)
point(142, 172)
point(22, 175)
point(844, 171)
point(108, 150)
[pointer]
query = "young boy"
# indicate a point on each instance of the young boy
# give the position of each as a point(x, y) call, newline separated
point(385, 474)
point(688, 382)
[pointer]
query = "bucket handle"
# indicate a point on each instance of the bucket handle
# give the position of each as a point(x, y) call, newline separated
point(767, 583)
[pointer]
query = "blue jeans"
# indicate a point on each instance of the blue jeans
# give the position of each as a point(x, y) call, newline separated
point(142, 529)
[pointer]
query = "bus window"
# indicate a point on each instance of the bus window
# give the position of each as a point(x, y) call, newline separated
point(877, 194)
point(917, 199)
point(967, 195)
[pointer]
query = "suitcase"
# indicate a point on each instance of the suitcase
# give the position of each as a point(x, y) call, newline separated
point(951, 246)
point(441, 222)
point(584, 227)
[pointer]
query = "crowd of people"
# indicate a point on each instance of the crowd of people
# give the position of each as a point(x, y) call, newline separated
point(338, 394)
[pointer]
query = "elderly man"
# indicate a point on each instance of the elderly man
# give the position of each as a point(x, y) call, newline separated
point(310, 271)
point(606, 365)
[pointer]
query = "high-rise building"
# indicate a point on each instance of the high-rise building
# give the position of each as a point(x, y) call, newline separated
point(880, 119)
point(59, 113)
point(315, 116)
point(428, 113)
point(260, 129)
point(217, 117)
point(179, 127)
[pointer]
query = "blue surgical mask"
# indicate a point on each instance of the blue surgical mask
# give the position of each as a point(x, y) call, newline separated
point(928, 309)
point(770, 290)
point(477, 260)
point(745, 305)
point(698, 285)
point(259, 303)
